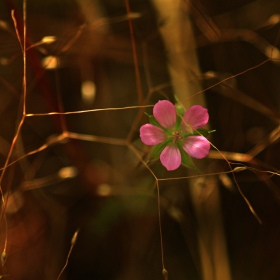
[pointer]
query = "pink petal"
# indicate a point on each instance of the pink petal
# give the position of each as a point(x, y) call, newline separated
point(151, 135)
point(165, 113)
point(196, 146)
point(196, 117)
point(170, 157)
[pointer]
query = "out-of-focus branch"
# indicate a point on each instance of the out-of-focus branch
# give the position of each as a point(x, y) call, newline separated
point(183, 66)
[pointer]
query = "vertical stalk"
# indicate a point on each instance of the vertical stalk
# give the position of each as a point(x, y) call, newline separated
point(184, 68)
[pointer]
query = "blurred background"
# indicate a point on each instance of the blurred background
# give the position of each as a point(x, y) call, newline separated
point(93, 184)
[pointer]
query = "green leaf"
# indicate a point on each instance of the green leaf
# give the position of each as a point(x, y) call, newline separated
point(152, 120)
point(178, 123)
point(203, 132)
point(187, 160)
point(157, 149)
point(180, 109)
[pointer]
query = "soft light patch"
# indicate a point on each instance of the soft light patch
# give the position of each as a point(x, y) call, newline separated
point(88, 90)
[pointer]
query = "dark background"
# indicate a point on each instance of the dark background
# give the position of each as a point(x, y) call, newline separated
point(119, 232)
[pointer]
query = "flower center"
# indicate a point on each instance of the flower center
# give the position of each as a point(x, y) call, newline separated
point(177, 136)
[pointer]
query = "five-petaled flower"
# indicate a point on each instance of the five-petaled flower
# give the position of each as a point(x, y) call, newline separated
point(175, 135)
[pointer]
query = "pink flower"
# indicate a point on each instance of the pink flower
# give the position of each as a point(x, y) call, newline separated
point(175, 136)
